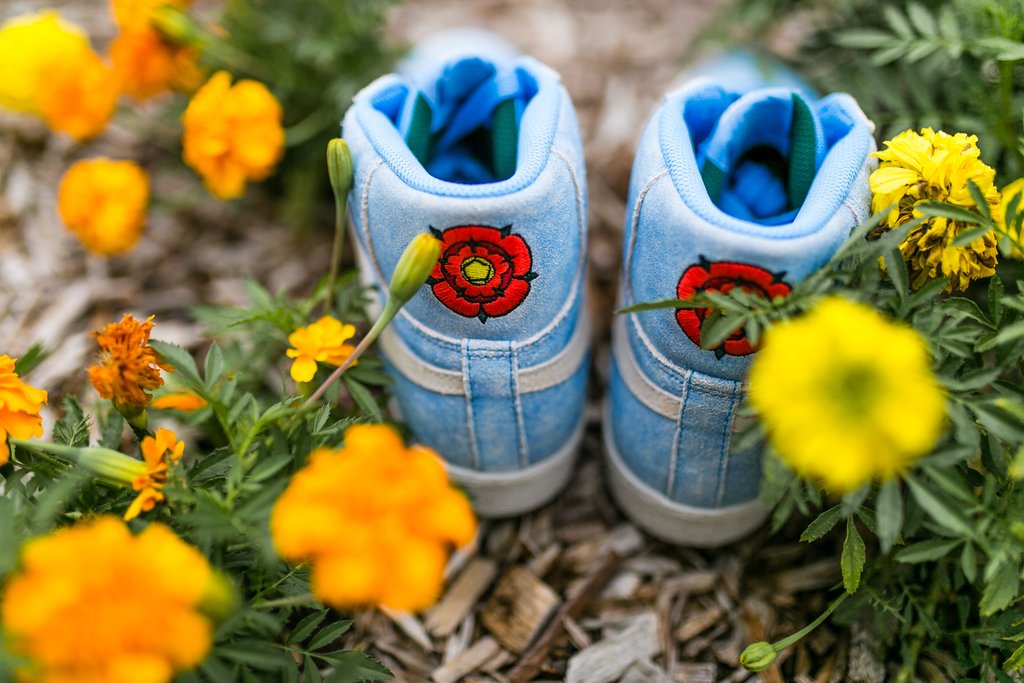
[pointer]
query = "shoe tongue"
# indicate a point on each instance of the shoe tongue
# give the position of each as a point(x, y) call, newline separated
point(464, 126)
point(759, 161)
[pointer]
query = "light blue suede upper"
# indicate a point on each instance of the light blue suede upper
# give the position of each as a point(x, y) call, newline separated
point(672, 225)
point(494, 424)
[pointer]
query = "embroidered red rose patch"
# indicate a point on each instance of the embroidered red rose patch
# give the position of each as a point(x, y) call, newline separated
point(482, 272)
point(722, 277)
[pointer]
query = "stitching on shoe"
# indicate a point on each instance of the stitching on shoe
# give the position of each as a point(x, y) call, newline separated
point(725, 458)
point(673, 461)
point(473, 450)
point(524, 456)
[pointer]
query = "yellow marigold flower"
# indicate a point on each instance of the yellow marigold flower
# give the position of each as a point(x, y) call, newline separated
point(374, 519)
point(1009, 192)
point(183, 401)
point(127, 367)
point(103, 202)
point(917, 167)
point(846, 395)
point(19, 407)
point(93, 603)
point(28, 45)
point(323, 341)
point(147, 64)
point(159, 452)
point(233, 134)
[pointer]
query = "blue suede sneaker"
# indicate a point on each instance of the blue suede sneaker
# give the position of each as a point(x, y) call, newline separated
point(481, 147)
point(732, 186)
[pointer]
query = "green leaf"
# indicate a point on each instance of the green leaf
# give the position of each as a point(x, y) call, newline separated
point(969, 562)
point(306, 626)
point(654, 305)
point(311, 674)
point(363, 398)
point(926, 551)
point(995, 294)
point(922, 20)
point(939, 510)
point(357, 667)
point(965, 237)
point(866, 39)
point(254, 653)
point(1010, 334)
point(182, 362)
point(896, 267)
point(73, 428)
point(932, 209)
point(824, 523)
point(979, 200)
point(854, 556)
point(329, 634)
point(1015, 662)
point(110, 437)
point(213, 368)
point(897, 22)
point(889, 514)
point(31, 359)
point(1001, 589)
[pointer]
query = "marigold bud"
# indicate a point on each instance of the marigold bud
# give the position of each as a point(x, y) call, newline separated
point(339, 167)
point(110, 465)
point(414, 266)
point(758, 656)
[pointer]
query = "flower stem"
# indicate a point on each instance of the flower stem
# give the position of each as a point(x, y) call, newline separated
point(794, 638)
point(303, 600)
point(340, 208)
point(387, 315)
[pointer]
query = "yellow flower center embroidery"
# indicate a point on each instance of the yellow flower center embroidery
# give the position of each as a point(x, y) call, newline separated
point(477, 271)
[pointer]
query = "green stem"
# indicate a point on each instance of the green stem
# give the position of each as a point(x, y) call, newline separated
point(340, 208)
point(906, 672)
point(794, 638)
point(303, 600)
point(387, 315)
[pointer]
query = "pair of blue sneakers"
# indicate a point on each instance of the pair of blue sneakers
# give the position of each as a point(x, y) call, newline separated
point(735, 184)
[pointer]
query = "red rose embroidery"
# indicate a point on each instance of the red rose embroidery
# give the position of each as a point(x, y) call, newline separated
point(482, 272)
point(722, 277)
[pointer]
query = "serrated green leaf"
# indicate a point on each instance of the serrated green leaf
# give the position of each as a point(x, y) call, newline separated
point(939, 510)
point(358, 667)
point(889, 514)
point(1010, 334)
point(310, 672)
point(213, 367)
point(1001, 589)
point(853, 558)
point(896, 267)
point(1015, 662)
point(30, 360)
point(823, 524)
point(182, 362)
point(329, 634)
point(255, 654)
point(306, 626)
point(110, 436)
point(995, 294)
point(926, 551)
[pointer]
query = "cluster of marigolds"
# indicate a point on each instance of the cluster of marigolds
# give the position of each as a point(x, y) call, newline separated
point(375, 519)
point(232, 133)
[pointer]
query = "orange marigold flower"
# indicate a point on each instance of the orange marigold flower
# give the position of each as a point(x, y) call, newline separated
point(127, 367)
point(323, 341)
point(147, 64)
point(19, 407)
point(103, 202)
point(183, 401)
point(375, 520)
point(133, 613)
point(233, 134)
point(78, 98)
point(159, 452)
point(132, 15)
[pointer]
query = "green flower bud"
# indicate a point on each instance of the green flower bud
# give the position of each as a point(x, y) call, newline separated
point(414, 266)
point(758, 656)
point(175, 24)
point(339, 167)
point(109, 465)
point(220, 599)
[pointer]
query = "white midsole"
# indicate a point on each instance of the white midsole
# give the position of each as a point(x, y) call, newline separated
point(671, 521)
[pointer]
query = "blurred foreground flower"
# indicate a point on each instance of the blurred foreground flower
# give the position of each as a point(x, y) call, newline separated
point(127, 367)
point(233, 134)
point(146, 61)
point(324, 342)
point(183, 401)
point(19, 407)
point(50, 70)
point(917, 167)
point(159, 452)
point(846, 395)
point(374, 519)
point(104, 203)
point(91, 603)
